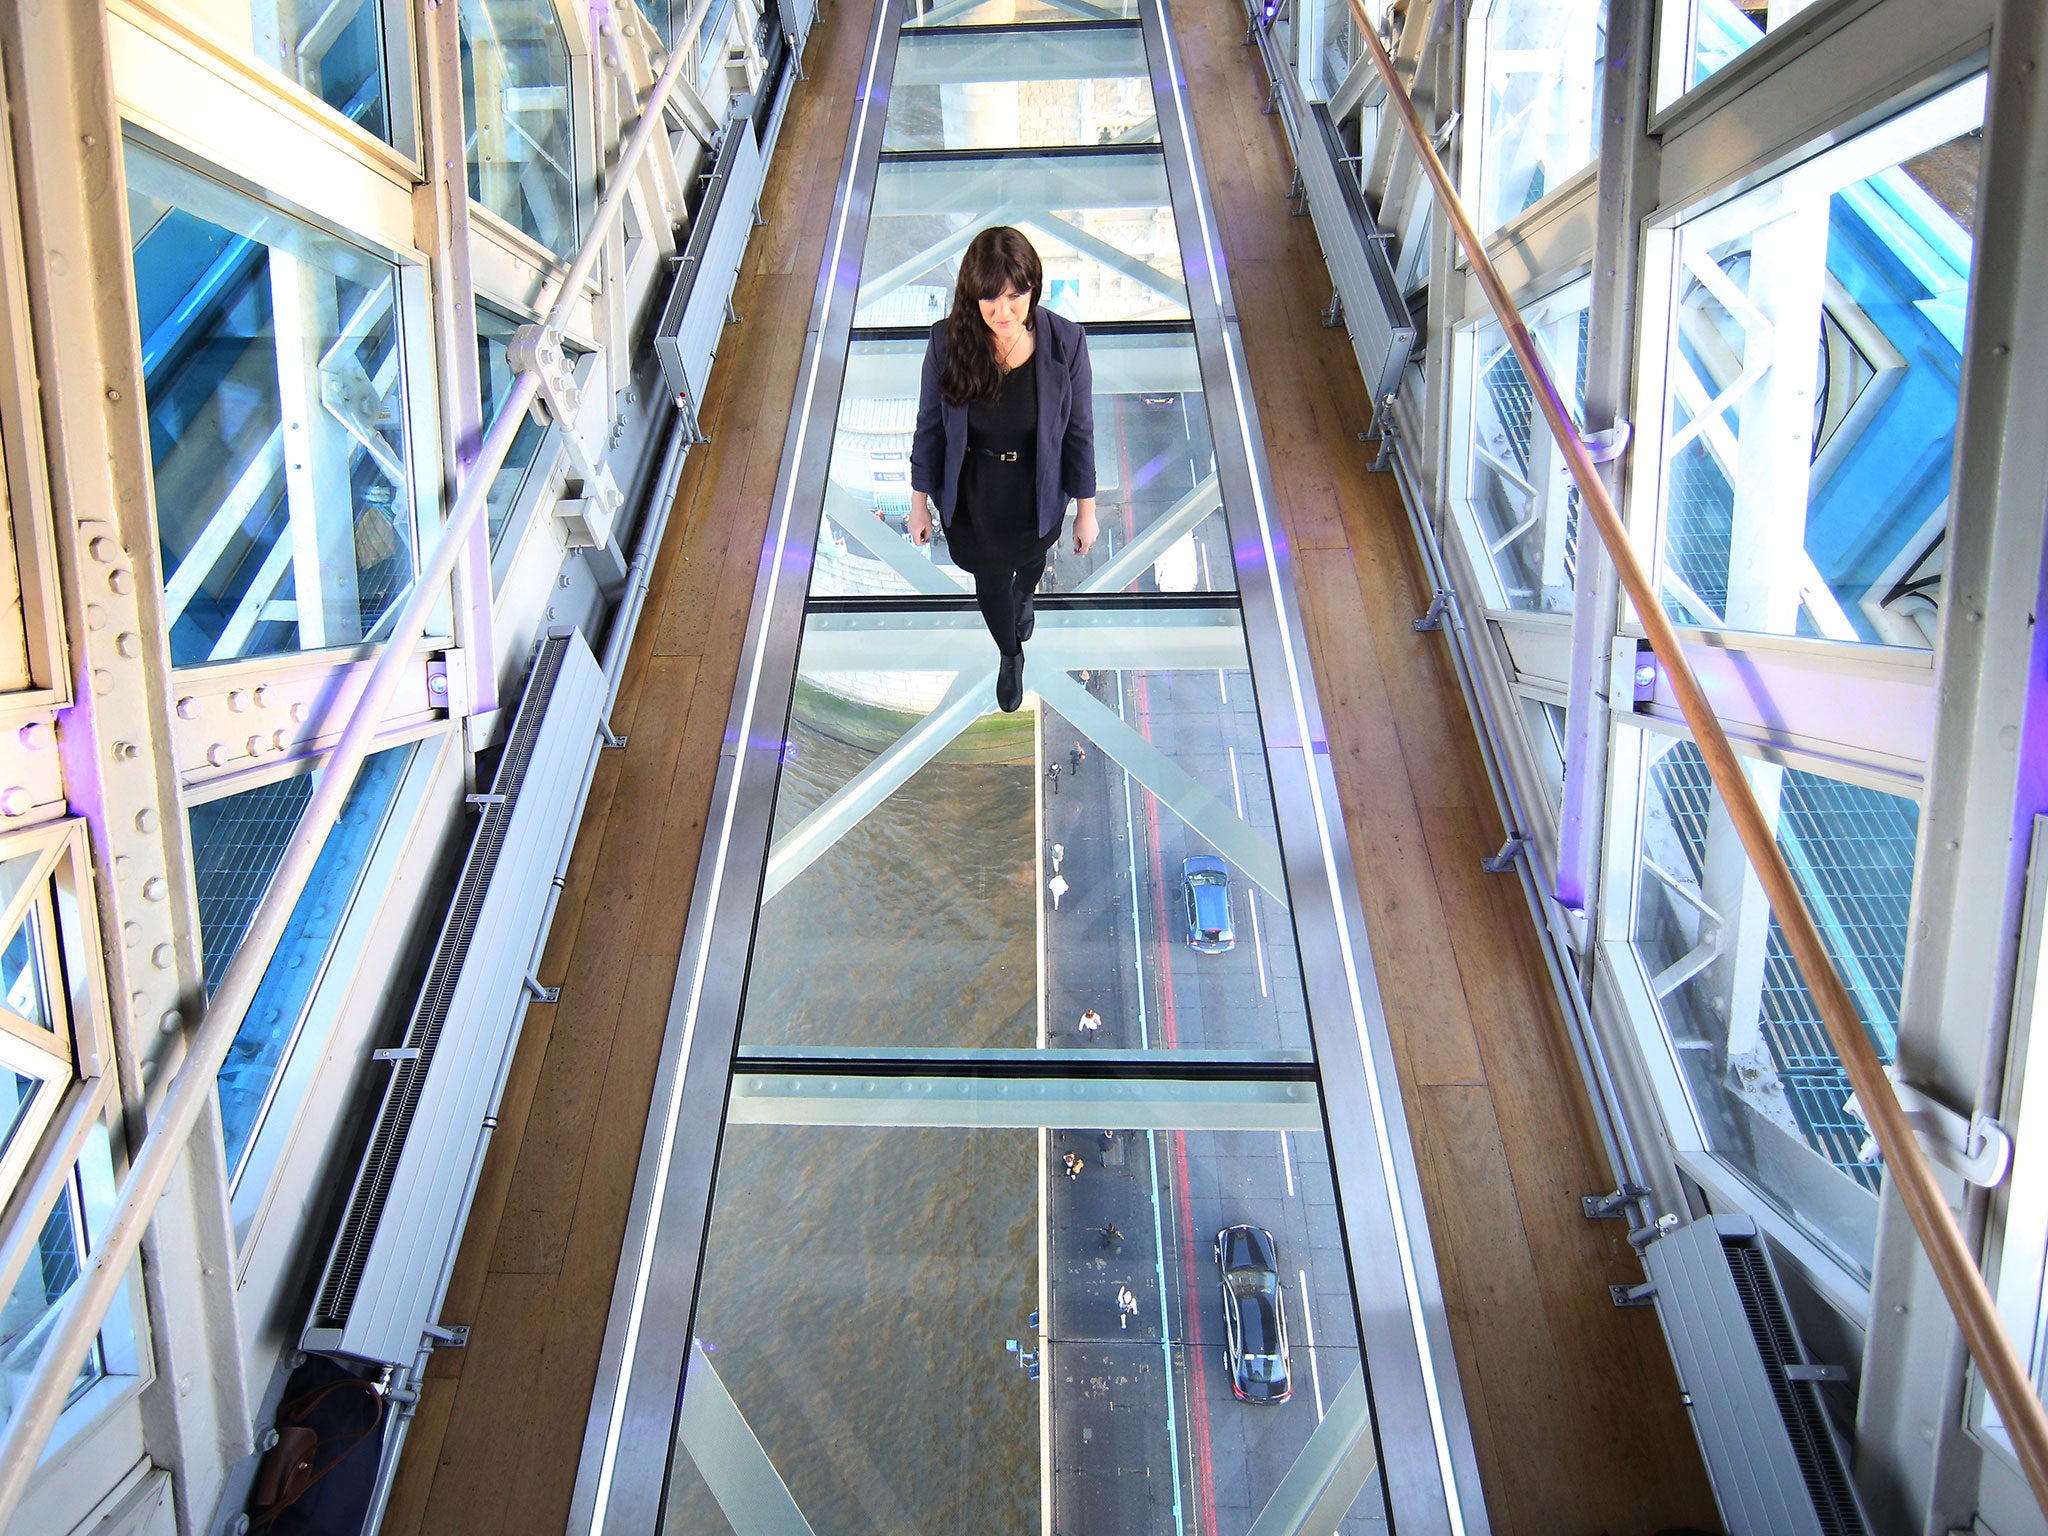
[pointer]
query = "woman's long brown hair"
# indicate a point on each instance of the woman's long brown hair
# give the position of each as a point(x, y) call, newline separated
point(1000, 259)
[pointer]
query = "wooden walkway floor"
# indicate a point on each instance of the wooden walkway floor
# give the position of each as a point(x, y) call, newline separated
point(1574, 1407)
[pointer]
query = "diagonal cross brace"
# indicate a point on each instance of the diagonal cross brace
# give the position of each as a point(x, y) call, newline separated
point(1209, 818)
point(806, 842)
point(1118, 572)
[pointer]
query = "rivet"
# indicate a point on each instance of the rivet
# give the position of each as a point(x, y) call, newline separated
point(95, 616)
point(299, 710)
point(217, 754)
point(120, 581)
point(16, 801)
point(237, 700)
point(125, 751)
point(102, 549)
point(278, 740)
point(138, 1000)
point(262, 696)
point(154, 889)
point(114, 395)
point(38, 735)
point(102, 680)
point(131, 933)
point(188, 708)
point(161, 957)
point(256, 745)
point(173, 1021)
point(128, 643)
point(145, 820)
point(122, 864)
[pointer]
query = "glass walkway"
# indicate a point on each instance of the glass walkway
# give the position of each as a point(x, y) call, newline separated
point(976, 1097)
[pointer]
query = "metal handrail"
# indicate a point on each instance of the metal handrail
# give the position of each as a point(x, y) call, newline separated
point(1907, 1168)
point(84, 1307)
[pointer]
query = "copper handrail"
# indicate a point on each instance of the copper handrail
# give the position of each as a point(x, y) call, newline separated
point(1907, 1167)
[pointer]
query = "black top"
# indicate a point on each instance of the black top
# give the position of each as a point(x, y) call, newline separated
point(995, 525)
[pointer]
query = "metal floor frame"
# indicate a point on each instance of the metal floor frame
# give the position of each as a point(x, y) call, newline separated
point(1425, 1451)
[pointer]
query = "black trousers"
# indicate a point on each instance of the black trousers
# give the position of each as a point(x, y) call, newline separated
point(1003, 596)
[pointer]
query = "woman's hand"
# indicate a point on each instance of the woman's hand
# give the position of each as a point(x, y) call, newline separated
point(920, 520)
point(1085, 530)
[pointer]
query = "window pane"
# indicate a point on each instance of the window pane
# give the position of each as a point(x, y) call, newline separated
point(1703, 36)
point(23, 988)
point(518, 112)
point(273, 371)
point(1050, 88)
point(1770, 1090)
point(1000, 13)
point(1540, 105)
point(1814, 359)
point(27, 1314)
point(336, 49)
point(938, 1251)
point(494, 371)
point(243, 847)
point(1524, 504)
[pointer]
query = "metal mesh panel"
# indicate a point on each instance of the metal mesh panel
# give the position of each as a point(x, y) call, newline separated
point(237, 844)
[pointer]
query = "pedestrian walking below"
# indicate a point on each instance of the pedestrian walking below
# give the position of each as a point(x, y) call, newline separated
point(1052, 772)
point(1076, 756)
point(1112, 1235)
point(1073, 1165)
point(1091, 1021)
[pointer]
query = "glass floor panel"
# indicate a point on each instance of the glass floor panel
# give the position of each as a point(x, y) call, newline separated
point(1099, 218)
point(942, 1326)
point(1053, 86)
point(1157, 498)
point(1007, 13)
point(946, 877)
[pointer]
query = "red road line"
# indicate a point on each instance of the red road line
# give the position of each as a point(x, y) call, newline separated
point(1198, 1371)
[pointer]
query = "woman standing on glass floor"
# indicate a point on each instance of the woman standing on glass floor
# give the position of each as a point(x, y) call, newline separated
point(1005, 437)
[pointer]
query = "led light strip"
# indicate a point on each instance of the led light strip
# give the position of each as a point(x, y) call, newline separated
point(637, 1313)
point(1404, 1248)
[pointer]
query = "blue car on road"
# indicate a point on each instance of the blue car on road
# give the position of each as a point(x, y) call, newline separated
point(1205, 884)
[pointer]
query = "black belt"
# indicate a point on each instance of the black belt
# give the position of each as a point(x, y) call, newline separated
point(1001, 458)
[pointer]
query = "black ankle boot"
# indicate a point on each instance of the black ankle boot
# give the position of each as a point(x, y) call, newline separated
point(1027, 618)
point(1010, 682)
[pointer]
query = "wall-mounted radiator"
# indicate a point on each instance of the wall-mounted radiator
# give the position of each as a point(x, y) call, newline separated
point(388, 1271)
point(698, 307)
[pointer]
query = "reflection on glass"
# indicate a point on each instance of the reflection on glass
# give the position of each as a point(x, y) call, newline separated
point(275, 384)
point(1702, 37)
point(1519, 489)
point(1002, 13)
point(1157, 497)
point(1540, 101)
point(1013, 873)
point(518, 113)
point(22, 987)
point(242, 849)
point(334, 48)
point(29, 1311)
point(494, 373)
point(714, 39)
point(1055, 86)
point(943, 1284)
point(1814, 361)
point(1769, 1087)
point(1100, 221)
point(15, 1098)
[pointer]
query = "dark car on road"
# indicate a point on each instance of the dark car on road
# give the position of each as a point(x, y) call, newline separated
point(1254, 1315)
point(1205, 883)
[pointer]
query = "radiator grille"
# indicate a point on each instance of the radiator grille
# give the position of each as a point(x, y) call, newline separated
point(401, 1097)
point(1813, 1443)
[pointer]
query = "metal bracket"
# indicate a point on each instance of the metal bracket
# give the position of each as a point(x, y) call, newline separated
point(1978, 1149)
point(1605, 446)
point(1433, 616)
point(1511, 850)
point(1332, 313)
point(1612, 1205)
point(1383, 418)
point(483, 801)
point(1295, 188)
point(1821, 1374)
point(539, 993)
point(397, 1053)
point(447, 1335)
point(1441, 139)
point(612, 740)
point(1633, 1295)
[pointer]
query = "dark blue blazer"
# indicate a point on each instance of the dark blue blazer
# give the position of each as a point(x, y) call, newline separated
point(1066, 423)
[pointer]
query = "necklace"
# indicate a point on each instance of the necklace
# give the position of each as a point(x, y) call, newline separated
point(1003, 357)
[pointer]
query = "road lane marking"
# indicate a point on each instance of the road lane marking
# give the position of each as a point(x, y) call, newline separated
point(1308, 1321)
point(1251, 896)
point(1287, 1162)
point(1165, 1333)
